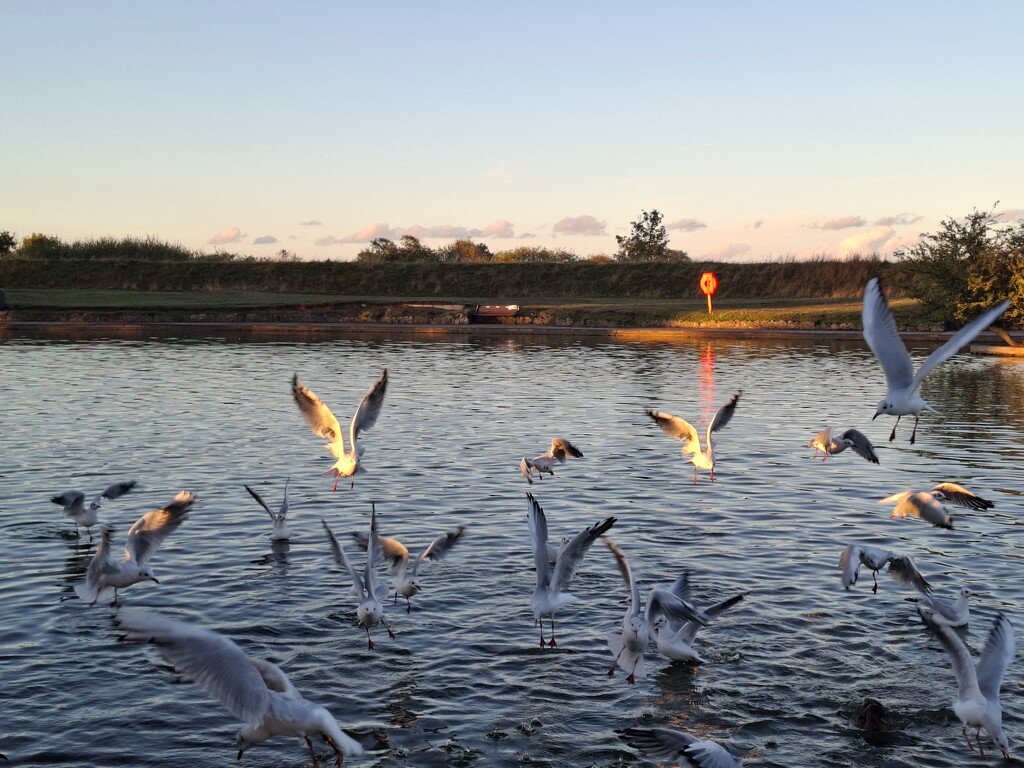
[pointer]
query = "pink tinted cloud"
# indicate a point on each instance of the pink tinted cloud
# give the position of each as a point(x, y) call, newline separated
point(687, 225)
point(578, 225)
point(877, 240)
point(500, 228)
point(846, 222)
point(726, 252)
point(226, 236)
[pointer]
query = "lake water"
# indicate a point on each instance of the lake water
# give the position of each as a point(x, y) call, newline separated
point(464, 682)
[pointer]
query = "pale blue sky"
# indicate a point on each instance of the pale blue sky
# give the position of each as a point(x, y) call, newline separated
point(759, 129)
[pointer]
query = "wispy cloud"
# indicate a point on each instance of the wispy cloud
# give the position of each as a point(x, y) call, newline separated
point(726, 252)
point(900, 219)
point(687, 225)
point(846, 222)
point(578, 225)
point(757, 224)
point(1011, 215)
point(226, 236)
point(878, 240)
point(496, 229)
point(330, 240)
point(265, 240)
point(310, 223)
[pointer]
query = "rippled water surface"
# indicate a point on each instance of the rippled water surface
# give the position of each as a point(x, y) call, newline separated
point(464, 682)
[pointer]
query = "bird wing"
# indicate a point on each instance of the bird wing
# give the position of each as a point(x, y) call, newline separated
point(663, 602)
point(822, 440)
point(627, 576)
point(561, 448)
point(959, 655)
point(150, 530)
point(68, 500)
point(283, 511)
point(658, 742)
point(206, 658)
point(318, 416)
point(369, 408)
point(375, 587)
point(884, 339)
point(118, 489)
point(713, 611)
point(538, 523)
point(259, 500)
point(571, 556)
point(896, 498)
point(903, 570)
point(708, 754)
point(524, 468)
point(439, 547)
point(724, 414)
point(342, 559)
point(860, 444)
point(681, 587)
point(958, 340)
point(957, 494)
point(391, 550)
point(275, 678)
point(101, 561)
point(680, 429)
point(995, 657)
point(927, 507)
point(849, 561)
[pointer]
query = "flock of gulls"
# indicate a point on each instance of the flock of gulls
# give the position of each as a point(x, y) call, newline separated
point(260, 695)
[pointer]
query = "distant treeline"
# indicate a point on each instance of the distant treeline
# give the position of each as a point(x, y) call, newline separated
point(499, 281)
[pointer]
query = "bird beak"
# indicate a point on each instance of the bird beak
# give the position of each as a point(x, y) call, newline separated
point(877, 414)
point(153, 579)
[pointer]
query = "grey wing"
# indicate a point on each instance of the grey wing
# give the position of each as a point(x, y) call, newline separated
point(860, 444)
point(259, 500)
point(713, 611)
point(658, 742)
point(342, 559)
point(627, 576)
point(662, 602)
point(903, 570)
point(318, 416)
point(958, 340)
point(957, 494)
point(884, 339)
point(724, 414)
point(680, 429)
point(708, 754)
point(442, 545)
point(204, 657)
point(275, 678)
point(849, 561)
point(995, 657)
point(149, 531)
point(524, 468)
point(561, 448)
point(571, 556)
point(283, 511)
point(959, 655)
point(369, 407)
point(927, 507)
point(681, 587)
point(118, 489)
point(539, 537)
point(100, 562)
point(69, 498)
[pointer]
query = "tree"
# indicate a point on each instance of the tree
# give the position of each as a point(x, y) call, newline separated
point(465, 252)
point(37, 246)
point(966, 266)
point(381, 251)
point(648, 241)
point(7, 243)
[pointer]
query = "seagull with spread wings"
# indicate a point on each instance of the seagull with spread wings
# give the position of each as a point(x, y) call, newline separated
point(87, 516)
point(680, 429)
point(278, 519)
point(830, 444)
point(901, 567)
point(559, 450)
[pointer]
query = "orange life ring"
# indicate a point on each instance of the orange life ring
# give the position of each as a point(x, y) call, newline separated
point(708, 283)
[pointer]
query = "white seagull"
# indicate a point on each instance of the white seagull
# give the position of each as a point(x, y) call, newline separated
point(683, 430)
point(559, 450)
point(688, 751)
point(953, 612)
point(675, 638)
point(920, 504)
point(253, 690)
point(552, 580)
point(370, 590)
point(628, 645)
point(144, 537)
point(977, 699)
point(405, 581)
point(324, 424)
point(279, 519)
point(86, 517)
point(901, 567)
point(903, 386)
point(829, 444)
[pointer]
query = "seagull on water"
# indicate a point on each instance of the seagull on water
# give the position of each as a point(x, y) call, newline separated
point(688, 751)
point(977, 699)
point(253, 690)
point(903, 386)
point(370, 590)
point(86, 517)
point(683, 430)
point(628, 645)
point(324, 424)
point(405, 581)
point(279, 518)
point(144, 537)
point(901, 567)
point(829, 444)
point(559, 450)
point(552, 580)
point(675, 638)
point(952, 612)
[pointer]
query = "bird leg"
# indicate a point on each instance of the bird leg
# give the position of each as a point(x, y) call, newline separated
point(551, 642)
point(892, 435)
point(337, 477)
point(913, 434)
point(338, 754)
point(391, 633)
point(408, 604)
point(977, 737)
point(369, 640)
point(611, 672)
point(540, 622)
point(312, 753)
point(967, 738)
point(874, 576)
point(694, 474)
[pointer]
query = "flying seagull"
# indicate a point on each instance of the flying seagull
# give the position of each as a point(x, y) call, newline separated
point(683, 430)
point(559, 450)
point(279, 519)
point(86, 517)
point(830, 444)
point(903, 386)
point(901, 567)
